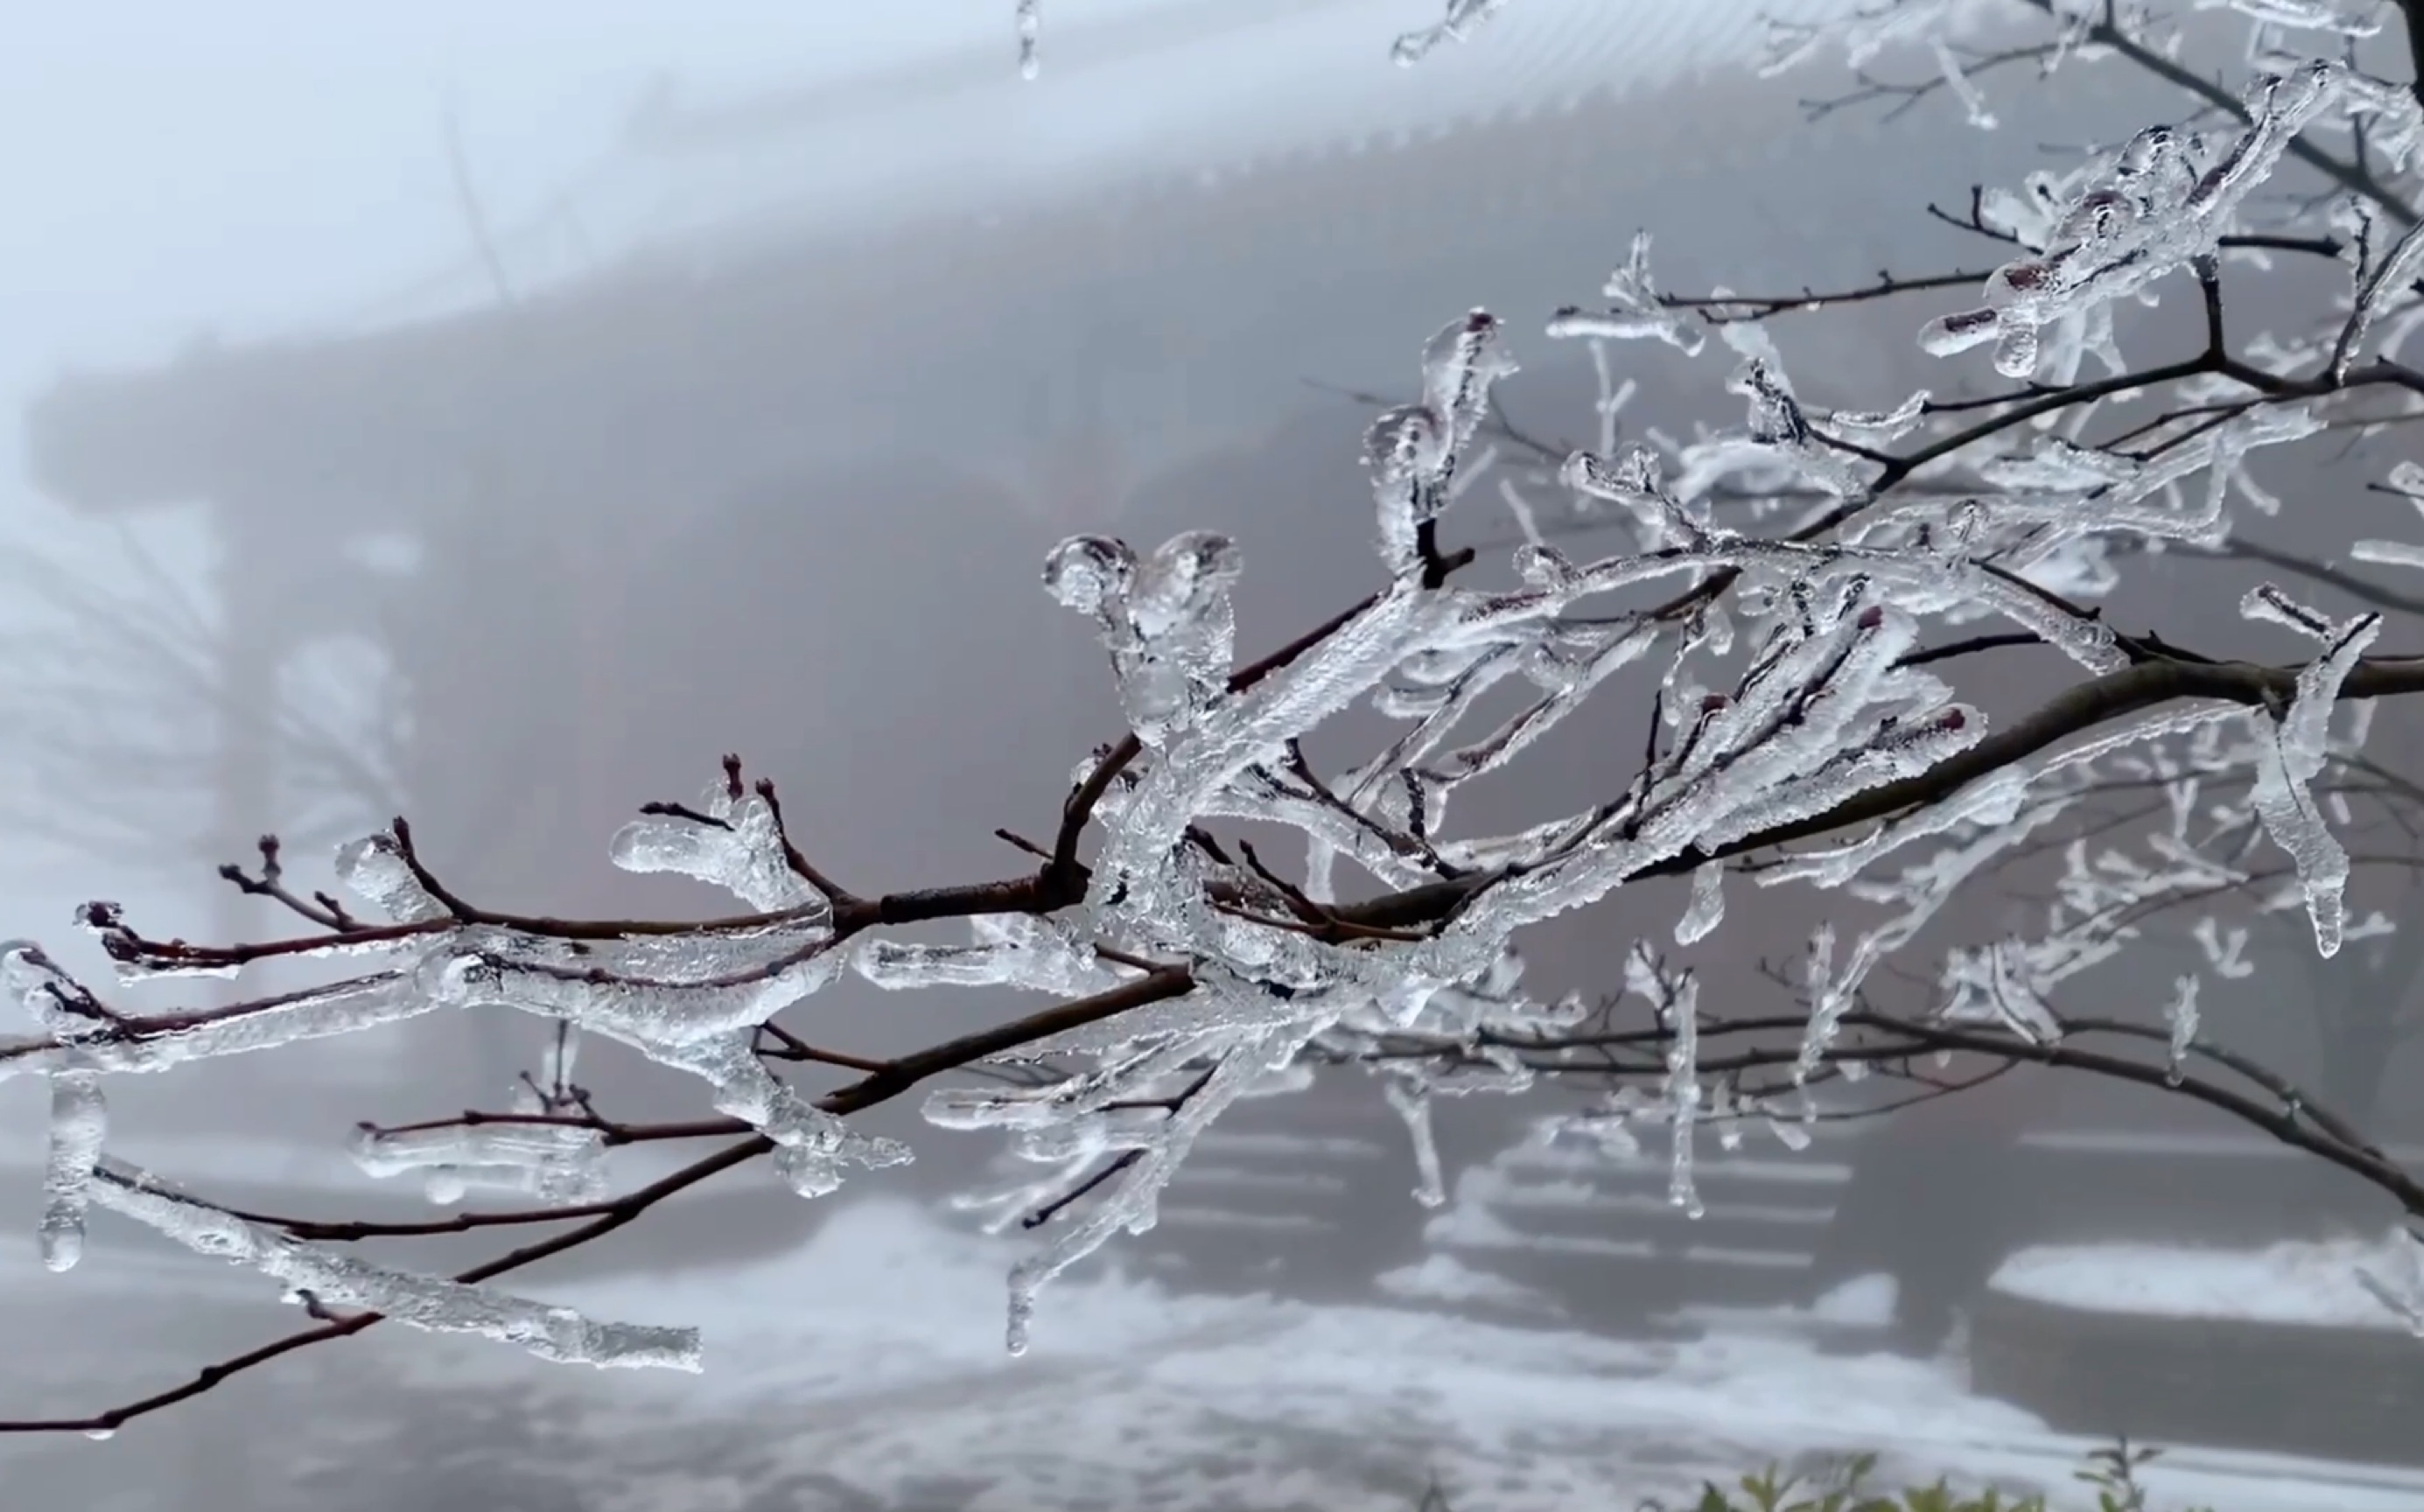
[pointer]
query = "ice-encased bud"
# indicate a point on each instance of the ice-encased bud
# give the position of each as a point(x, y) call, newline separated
point(374, 869)
point(1183, 584)
point(1165, 620)
point(1407, 448)
point(1090, 574)
point(740, 850)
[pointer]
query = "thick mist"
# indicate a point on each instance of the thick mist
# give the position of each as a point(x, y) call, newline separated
point(497, 414)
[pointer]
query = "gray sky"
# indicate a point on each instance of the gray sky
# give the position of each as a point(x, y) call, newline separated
point(250, 163)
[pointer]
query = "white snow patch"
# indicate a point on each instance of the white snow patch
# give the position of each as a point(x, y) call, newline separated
point(1442, 1278)
point(1862, 1302)
point(878, 1347)
point(2311, 1283)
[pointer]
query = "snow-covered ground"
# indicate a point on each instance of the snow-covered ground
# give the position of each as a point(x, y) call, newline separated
point(866, 1370)
point(2319, 1283)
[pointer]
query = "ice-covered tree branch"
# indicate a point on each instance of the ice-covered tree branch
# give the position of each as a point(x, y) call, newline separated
point(1796, 601)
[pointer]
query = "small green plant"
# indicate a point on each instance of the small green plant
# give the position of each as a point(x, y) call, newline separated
point(1845, 1488)
point(2113, 1472)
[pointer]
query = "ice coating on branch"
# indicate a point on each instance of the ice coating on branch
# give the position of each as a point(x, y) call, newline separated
point(2406, 479)
point(334, 1278)
point(348, 1007)
point(2288, 762)
point(733, 840)
point(1999, 983)
point(2161, 204)
point(2388, 553)
point(555, 1163)
point(1863, 32)
point(1776, 420)
point(1129, 1204)
point(2307, 15)
point(1042, 955)
point(2395, 273)
point(1636, 311)
point(691, 1004)
point(1956, 78)
point(1881, 427)
point(1456, 26)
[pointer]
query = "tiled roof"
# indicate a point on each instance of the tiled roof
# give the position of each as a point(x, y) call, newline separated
point(1132, 92)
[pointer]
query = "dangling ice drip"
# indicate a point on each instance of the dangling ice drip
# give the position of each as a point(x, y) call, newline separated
point(2180, 1017)
point(79, 1120)
point(1030, 36)
point(2292, 749)
point(1166, 621)
point(1410, 1098)
point(1683, 1093)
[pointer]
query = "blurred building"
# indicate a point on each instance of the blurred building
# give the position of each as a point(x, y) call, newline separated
point(785, 465)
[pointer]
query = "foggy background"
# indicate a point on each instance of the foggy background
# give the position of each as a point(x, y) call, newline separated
point(496, 413)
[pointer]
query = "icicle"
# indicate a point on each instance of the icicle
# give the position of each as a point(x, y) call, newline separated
point(1683, 1094)
point(1412, 1102)
point(2180, 1015)
point(1707, 909)
point(2292, 751)
point(1030, 36)
point(79, 1120)
point(1723, 1113)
